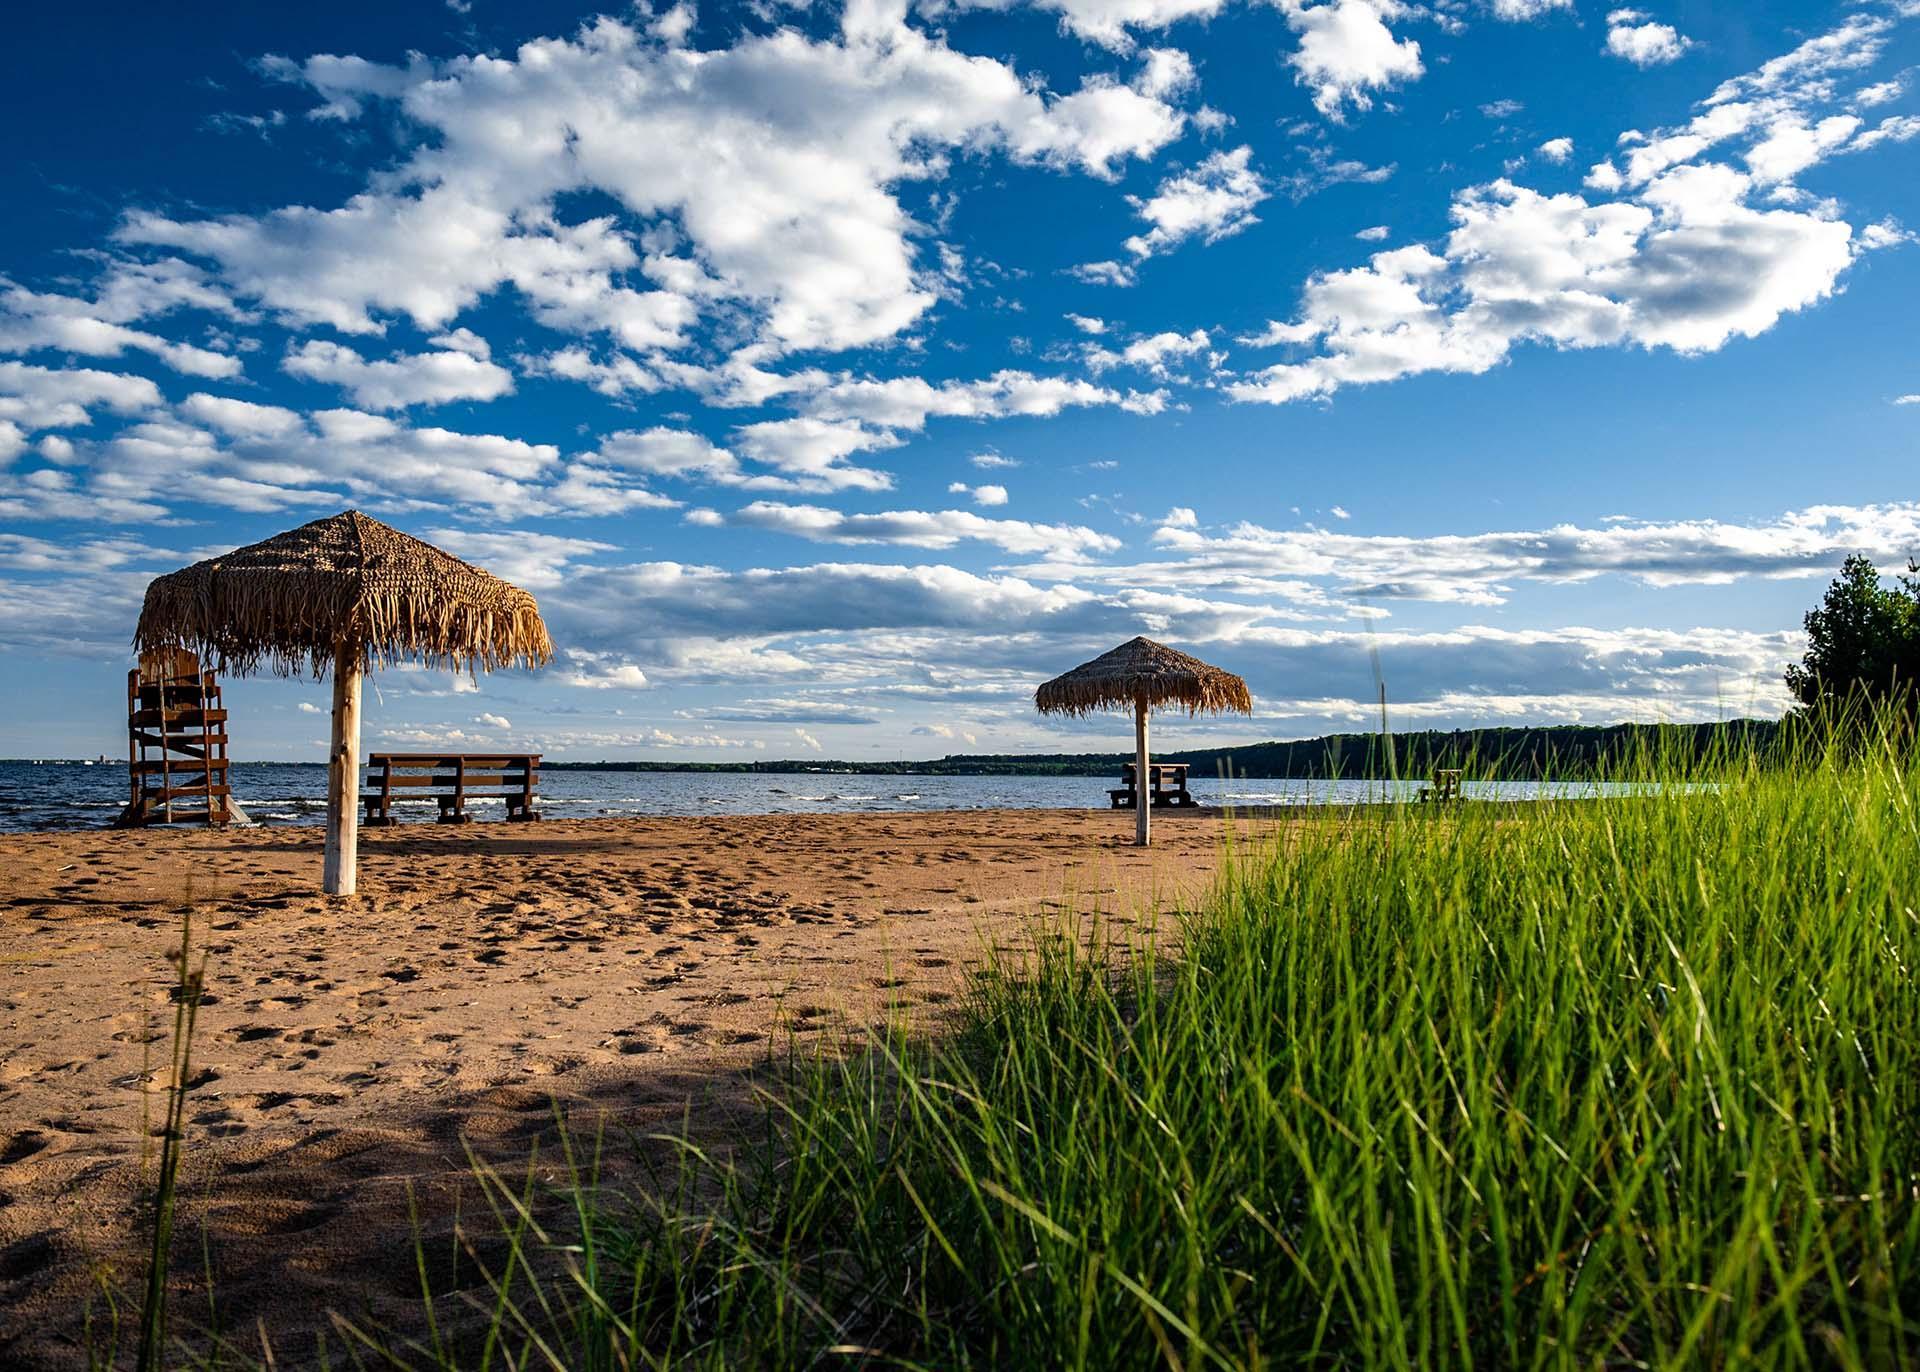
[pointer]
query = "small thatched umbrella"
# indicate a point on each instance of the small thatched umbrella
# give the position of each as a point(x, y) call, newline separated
point(1139, 675)
point(347, 593)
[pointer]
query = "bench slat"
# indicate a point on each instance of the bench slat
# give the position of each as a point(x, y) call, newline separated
point(447, 779)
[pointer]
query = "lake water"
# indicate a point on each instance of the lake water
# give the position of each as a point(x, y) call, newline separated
point(74, 795)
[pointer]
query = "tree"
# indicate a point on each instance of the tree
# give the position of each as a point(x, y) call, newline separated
point(1863, 642)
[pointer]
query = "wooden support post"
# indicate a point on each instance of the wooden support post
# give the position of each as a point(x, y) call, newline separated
point(1142, 783)
point(343, 777)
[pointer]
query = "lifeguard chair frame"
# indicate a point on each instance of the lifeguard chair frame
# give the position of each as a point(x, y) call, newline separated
point(177, 766)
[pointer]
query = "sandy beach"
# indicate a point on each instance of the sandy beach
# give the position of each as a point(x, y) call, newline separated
point(631, 971)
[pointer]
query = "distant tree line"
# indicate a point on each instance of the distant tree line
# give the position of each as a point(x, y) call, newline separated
point(1518, 753)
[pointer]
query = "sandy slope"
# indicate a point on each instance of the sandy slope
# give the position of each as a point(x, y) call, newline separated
point(346, 1049)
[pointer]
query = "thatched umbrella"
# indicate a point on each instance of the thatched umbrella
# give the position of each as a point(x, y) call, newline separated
point(1139, 675)
point(347, 593)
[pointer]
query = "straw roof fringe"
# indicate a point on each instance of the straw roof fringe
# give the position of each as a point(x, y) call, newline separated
point(287, 604)
point(1142, 669)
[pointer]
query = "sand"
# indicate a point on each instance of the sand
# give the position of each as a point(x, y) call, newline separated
point(633, 971)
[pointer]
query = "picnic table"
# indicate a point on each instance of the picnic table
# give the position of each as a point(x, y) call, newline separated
point(1166, 787)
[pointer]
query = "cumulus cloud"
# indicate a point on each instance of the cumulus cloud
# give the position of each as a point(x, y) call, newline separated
point(35, 398)
point(906, 402)
point(1213, 200)
point(1347, 52)
point(1683, 260)
point(915, 635)
point(599, 671)
point(1632, 35)
point(1154, 353)
point(814, 452)
point(1518, 11)
point(766, 172)
point(1480, 569)
point(405, 379)
point(32, 321)
point(242, 455)
point(1108, 23)
point(525, 557)
point(982, 495)
point(1556, 150)
point(924, 529)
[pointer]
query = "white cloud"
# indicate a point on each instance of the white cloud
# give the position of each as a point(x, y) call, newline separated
point(924, 529)
point(31, 321)
point(1480, 569)
point(934, 634)
point(37, 398)
point(1516, 11)
point(1374, 234)
point(1854, 44)
point(982, 495)
point(243, 419)
point(1630, 35)
point(1106, 22)
point(807, 739)
point(1684, 261)
point(1898, 128)
point(1880, 92)
point(1907, 400)
point(1103, 273)
point(813, 453)
point(525, 557)
point(1213, 200)
point(1154, 353)
point(489, 720)
point(1557, 150)
point(673, 26)
point(405, 379)
point(661, 451)
point(1087, 324)
point(595, 671)
point(241, 455)
point(1347, 52)
point(772, 163)
point(906, 402)
point(946, 731)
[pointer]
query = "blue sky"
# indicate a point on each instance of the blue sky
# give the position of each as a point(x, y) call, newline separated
point(833, 375)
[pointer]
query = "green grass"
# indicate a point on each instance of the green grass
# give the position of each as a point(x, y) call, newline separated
point(1627, 1083)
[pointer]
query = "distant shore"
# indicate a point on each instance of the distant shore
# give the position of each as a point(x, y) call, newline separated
point(1516, 753)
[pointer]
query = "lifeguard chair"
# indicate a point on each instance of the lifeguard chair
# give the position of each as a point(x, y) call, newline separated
point(176, 745)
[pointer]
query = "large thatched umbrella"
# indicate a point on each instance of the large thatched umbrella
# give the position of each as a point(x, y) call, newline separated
point(347, 593)
point(1139, 675)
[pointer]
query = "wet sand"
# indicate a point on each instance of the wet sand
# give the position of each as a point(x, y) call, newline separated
point(348, 1051)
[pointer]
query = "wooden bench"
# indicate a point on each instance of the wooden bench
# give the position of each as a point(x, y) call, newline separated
point(1446, 786)
point(452, 779)
point(1166, 787)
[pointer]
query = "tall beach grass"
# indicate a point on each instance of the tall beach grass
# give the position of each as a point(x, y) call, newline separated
point(1630, 1083)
